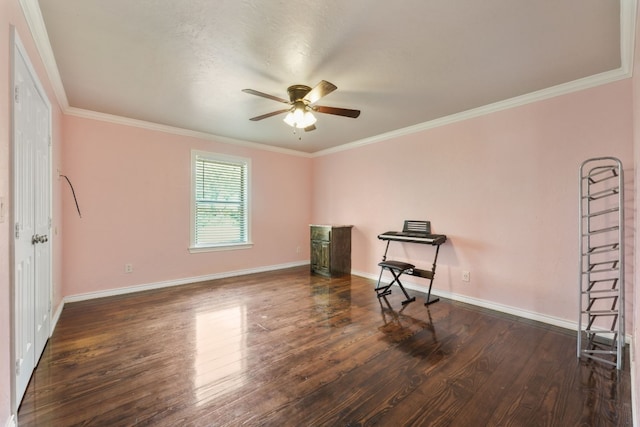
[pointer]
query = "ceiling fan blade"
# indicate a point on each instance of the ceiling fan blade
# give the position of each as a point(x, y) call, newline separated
point(310, 128)
point(264, 116)
point(323, 88)
point(265, 95)
point(337, 111)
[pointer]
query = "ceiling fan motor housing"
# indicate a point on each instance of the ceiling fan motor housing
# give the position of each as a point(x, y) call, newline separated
point(297, 92)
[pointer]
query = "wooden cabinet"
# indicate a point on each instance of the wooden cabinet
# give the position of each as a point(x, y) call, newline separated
point(331, 249)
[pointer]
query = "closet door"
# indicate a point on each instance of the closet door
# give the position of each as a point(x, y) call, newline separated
point(31, 219)
point(42, 224)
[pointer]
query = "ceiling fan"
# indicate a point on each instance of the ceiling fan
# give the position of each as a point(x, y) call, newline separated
point(301, 103)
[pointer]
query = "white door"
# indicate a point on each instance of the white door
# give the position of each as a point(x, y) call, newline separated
point(42, 223)
point(32, 212)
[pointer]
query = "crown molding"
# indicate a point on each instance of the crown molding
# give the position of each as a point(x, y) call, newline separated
point(563, 89)
point(628, 14)
point(628, 10)
point(125, 121)
point(33, 16)
point(35, 21)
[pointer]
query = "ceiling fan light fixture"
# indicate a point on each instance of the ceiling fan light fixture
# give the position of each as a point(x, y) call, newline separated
point(300, 118)
point(308, 120)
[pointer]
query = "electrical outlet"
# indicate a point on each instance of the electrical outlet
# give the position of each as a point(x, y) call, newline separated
point(128, 268)
point(466, 276)
point(298, 250)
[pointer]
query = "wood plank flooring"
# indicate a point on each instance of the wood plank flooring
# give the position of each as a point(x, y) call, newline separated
point(286, 348)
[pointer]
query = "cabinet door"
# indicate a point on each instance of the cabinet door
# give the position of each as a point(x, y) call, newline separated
point(321, 256)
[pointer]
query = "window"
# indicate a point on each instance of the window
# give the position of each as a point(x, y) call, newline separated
point(220, 202)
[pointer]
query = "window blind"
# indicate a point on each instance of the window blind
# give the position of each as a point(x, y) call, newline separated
point(220, 202)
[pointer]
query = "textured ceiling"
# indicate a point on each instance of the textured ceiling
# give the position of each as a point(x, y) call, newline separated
point(184, 63)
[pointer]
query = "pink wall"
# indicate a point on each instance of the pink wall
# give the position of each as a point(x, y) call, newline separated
point(133, 189)
point(503, 188)
point(11, 15)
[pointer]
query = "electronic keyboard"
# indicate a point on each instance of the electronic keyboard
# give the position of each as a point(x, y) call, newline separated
point(414, 237)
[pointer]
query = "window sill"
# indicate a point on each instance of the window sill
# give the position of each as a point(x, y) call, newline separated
point(217, 248)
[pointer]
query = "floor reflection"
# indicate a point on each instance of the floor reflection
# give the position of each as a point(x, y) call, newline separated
point(220, 361)
point(398, 327)
point(332, 302)
point(602, 386)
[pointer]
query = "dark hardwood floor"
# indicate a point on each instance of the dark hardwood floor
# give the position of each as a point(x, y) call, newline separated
point(286, 348)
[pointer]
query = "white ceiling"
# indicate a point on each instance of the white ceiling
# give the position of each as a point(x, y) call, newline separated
point(402, 63)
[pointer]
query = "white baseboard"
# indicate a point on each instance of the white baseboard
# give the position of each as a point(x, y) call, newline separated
point(177, 282)
point(11, 422)
point(635, 393)
point(515, 311)
point(165, 284)
point(56, 317)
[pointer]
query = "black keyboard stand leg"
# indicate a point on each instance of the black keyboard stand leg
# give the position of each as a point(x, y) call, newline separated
point(433, 273)
point(431, 300)
point(396, 279)
point(383, 291)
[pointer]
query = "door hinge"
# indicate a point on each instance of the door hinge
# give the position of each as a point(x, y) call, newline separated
point(17, 230)
point(18, 367)
point(16, 94)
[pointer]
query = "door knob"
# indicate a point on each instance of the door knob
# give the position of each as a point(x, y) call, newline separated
point(37, 238)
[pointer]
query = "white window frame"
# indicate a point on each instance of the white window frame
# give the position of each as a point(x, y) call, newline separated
point(194, 247)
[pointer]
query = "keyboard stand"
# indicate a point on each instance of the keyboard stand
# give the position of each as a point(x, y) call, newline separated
point(396, 268)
